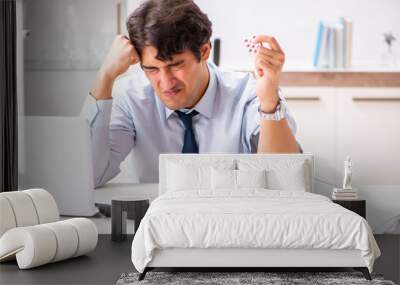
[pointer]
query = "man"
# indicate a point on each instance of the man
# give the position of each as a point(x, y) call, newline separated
point(188, 105)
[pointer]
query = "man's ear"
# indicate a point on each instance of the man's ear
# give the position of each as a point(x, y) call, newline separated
point(205, 51)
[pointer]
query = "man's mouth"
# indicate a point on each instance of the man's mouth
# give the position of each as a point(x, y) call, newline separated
point(172, 92)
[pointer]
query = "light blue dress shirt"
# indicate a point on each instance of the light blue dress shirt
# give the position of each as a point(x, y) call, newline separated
point(228, 122)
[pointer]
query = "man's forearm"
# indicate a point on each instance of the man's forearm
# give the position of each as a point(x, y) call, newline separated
point(102, 89)
point(98, 114)
point(276, 137)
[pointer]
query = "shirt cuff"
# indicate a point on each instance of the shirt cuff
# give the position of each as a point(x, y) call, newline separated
point(97, 112)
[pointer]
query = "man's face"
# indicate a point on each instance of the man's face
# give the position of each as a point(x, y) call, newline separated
point(178, 83)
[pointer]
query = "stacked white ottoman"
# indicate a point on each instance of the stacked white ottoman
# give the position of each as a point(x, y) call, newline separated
point(31, 232)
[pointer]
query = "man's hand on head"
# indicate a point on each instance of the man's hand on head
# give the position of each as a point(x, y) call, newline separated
point(268, 67)
point(121, 55)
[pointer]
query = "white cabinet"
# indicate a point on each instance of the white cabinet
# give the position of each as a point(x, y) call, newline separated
point(314, 112)
point(368, 129)
point(364, 123)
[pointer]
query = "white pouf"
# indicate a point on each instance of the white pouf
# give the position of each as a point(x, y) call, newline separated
point(31, 233)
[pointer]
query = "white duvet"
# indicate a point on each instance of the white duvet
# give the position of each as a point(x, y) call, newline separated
point(252, 218)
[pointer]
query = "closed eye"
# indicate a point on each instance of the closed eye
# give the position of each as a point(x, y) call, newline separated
point(176, 64)
point(150, 69)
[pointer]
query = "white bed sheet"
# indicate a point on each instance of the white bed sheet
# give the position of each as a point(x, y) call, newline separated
point(250, 218)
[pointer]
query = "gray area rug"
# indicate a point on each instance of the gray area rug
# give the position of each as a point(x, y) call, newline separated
point(270, 278)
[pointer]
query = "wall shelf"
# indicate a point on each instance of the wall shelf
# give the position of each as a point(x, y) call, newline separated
point(358, 76)
point(341, 79)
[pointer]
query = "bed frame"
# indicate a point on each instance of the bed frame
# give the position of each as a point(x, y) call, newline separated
point(248, 259)
point(261, 259)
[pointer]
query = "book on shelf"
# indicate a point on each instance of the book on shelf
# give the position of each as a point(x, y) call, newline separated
point(344, 198)
point(348, 35)
point(320, 34)
point(339, 46)
point(343, 191)
point(333, 45)
point(348, 196)
point(344, 194)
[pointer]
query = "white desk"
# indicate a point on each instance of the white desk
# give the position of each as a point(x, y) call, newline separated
point(105, 194)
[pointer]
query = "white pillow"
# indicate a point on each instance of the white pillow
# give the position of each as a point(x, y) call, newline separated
point(223, 179)
point(251, 178)
point(226, 179)
point(281, 174)
point(293, 178)
point(190, 175)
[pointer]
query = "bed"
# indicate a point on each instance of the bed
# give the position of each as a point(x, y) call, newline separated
point(247, 211)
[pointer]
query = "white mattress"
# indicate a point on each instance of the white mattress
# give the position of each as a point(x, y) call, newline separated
point(252, 218)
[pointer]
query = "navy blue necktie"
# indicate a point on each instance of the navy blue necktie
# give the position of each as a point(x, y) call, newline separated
point(189, 141)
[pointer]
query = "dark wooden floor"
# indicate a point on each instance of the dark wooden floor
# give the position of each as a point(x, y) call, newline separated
point(111, 259)
point(102, 266)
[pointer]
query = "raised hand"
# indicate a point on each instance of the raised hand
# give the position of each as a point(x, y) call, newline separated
point(121, 55)
point(268, 67)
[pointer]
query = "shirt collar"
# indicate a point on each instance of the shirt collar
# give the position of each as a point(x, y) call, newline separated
point(206, 104)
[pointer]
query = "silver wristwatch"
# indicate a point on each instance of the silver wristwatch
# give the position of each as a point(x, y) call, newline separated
point(278, 115)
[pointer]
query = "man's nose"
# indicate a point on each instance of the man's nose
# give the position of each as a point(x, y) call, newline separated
point(167, 80)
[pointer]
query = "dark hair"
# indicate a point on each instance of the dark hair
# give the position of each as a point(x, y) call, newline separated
point(171, 26)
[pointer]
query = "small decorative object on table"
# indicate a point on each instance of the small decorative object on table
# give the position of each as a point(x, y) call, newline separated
point(123, 208)
point(347, 192)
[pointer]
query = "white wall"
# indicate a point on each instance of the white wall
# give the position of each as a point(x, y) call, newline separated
point(295, 23)
point(69, 38)
point(67, 43)
point(57, 93)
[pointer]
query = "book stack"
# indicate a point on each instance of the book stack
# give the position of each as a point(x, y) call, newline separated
point(334, 42)
point(344, 194)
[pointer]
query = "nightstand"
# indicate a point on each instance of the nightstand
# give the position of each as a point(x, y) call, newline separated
point(357, 206)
